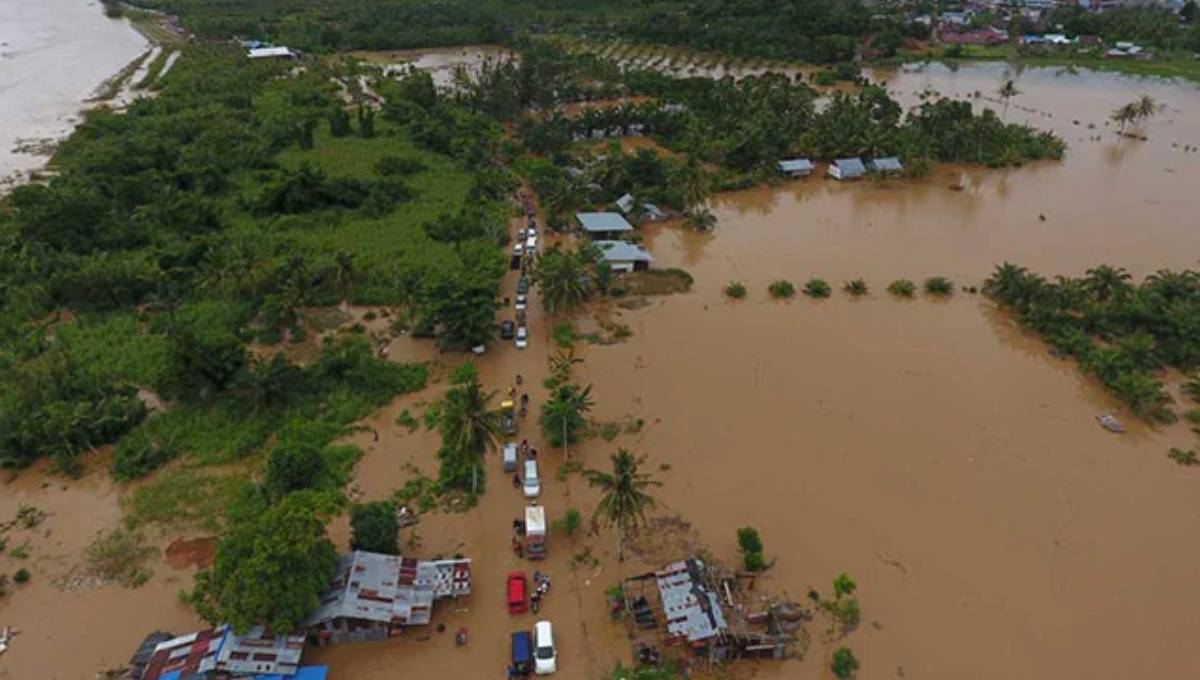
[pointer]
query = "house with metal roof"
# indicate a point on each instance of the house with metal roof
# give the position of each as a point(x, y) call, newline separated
point(692, 611)
point(374, 596)
point(603, 225)
point(625, 257)
point(847, 169)
point(220, 653)
point(886, 166)
point(797, 167)
point(270, 53)
point(626, 203)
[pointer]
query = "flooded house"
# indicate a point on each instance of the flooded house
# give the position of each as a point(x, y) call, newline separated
point(797, 167)
point(219, 653)
point(844, 169)
point(375, 596)
point(603, 225)
point(625, 257)
point(701, 610)
point(886, 166)
point(627, 204)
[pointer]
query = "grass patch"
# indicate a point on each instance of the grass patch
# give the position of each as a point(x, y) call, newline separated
point(658, 282)
point(1184, 458)
point(564, 335)
point(120, 556)
point(184, 496)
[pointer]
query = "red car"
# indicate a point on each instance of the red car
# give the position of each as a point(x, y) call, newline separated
point(518, 593)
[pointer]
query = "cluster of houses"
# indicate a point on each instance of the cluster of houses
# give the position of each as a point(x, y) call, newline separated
point(843, 169)
point(371, 597)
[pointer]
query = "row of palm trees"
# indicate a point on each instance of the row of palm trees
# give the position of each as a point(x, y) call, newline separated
point(1136, 112)
point(469, 425)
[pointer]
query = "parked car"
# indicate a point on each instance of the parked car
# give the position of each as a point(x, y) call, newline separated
point(530, 484)
point(545, 657)
point(518, 249)
point(509, 457)
point(523, 285)
point(531, 243)
point(522, 338)
point(518, 593)
point(522, 653)
point(522, 301)
point(521, 234)
point(508, 329)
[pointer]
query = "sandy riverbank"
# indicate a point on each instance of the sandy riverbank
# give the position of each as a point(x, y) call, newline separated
point(54, 54)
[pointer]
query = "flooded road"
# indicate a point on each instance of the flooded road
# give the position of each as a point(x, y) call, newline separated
point(54, 54)
point(928, 448)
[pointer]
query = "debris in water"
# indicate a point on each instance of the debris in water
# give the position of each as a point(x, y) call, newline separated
point(1110, 423)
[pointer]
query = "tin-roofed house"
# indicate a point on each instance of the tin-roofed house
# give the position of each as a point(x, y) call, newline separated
point(625, 257)
point(375, 596)
point(844, 169)
point(219, 653)
point(887, 166)
point(626, 203)
point(603, 225)
point(797, 167)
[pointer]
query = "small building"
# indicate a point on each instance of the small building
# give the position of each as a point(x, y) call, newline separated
point(887, 166)
point(653, 212)
point(220, 653)
point(603, 225)
point(375, 596)
point(797, 167)
point(626, 203)
point(844, 169)
point(270, 53)
point(625, 257)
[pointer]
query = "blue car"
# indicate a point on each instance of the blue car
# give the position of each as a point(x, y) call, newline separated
point(522, 653)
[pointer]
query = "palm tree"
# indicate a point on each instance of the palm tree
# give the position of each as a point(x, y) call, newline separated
point(1145, 107)
point(1007, 91)
point(562, 363)
point(1124, 116)
point(1005, 282)
point(1108, 282)
point(562, 414)
point(625, 499)
point(702, 219)
point(469, 425)
point(560, 276)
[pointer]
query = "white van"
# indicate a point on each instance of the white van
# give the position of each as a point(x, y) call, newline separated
point(545, 657)
point(509, 461)
point(531, 484)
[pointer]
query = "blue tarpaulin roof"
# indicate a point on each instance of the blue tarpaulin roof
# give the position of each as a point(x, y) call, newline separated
point(304, 673)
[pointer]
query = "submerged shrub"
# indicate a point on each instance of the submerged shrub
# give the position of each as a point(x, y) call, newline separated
point(817, 288)
point(939, 285)
point(735, 290)
point(781, 289)
point(856, 287)
point(902, 288)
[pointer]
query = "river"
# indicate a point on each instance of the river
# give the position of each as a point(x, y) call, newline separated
point(54, 54)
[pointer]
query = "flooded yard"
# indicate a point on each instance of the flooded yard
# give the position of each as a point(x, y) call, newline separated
point(929, 448)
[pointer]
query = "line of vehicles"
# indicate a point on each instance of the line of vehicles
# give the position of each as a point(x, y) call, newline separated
point(522, 254)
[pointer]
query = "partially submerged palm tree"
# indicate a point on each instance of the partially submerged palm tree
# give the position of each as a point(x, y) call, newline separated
point(625, 499)
point(701, 220)
point(562, 414)
point(1007, 91)
point(1124, 116)
point(469, 425)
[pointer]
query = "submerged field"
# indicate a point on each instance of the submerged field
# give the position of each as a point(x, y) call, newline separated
point(928, 447)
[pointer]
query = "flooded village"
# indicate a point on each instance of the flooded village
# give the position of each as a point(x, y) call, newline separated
point(927, 458)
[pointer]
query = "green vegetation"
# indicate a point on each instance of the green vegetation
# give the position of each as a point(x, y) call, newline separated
point(735, 290)
point(939, 286)
point(21, 576)
point(856, 287)
point(562, 419)
point(751, 546)
point(270, 570)
point(373, 527)
point(902, 288)
point(817, 289)
point(470, 427)
point(844, 664)
point(1184, 458)
point(1122, 333)
point(625, 498)
point(570, 522)
point(781, 289)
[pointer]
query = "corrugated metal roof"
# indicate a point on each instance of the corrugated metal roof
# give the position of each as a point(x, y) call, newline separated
point(602, 222)
point(796, 165)
point(690, 609)
point(626, 203)
point(889, 164)
point(620, 251)
point(850, 167)
point(390, 588)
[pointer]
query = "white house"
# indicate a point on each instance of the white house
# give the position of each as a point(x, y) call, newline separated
point(625, 257)
point(847, 168)
point(797, 167)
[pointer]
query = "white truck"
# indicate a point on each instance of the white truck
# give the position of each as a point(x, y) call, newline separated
point(535, 532)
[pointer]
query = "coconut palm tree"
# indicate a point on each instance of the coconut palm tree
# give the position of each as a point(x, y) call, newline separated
point(1007, 91)
point(1146, 107)
point(345, 273)
point(562, 363)
point(561, 279)
point(562, 415)
point(625, 500)
point(1125, 115)
point(469, 425)
point(701, 219)
point(1005, 282)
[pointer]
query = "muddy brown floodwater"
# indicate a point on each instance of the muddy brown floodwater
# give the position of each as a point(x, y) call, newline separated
point(930, 449)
